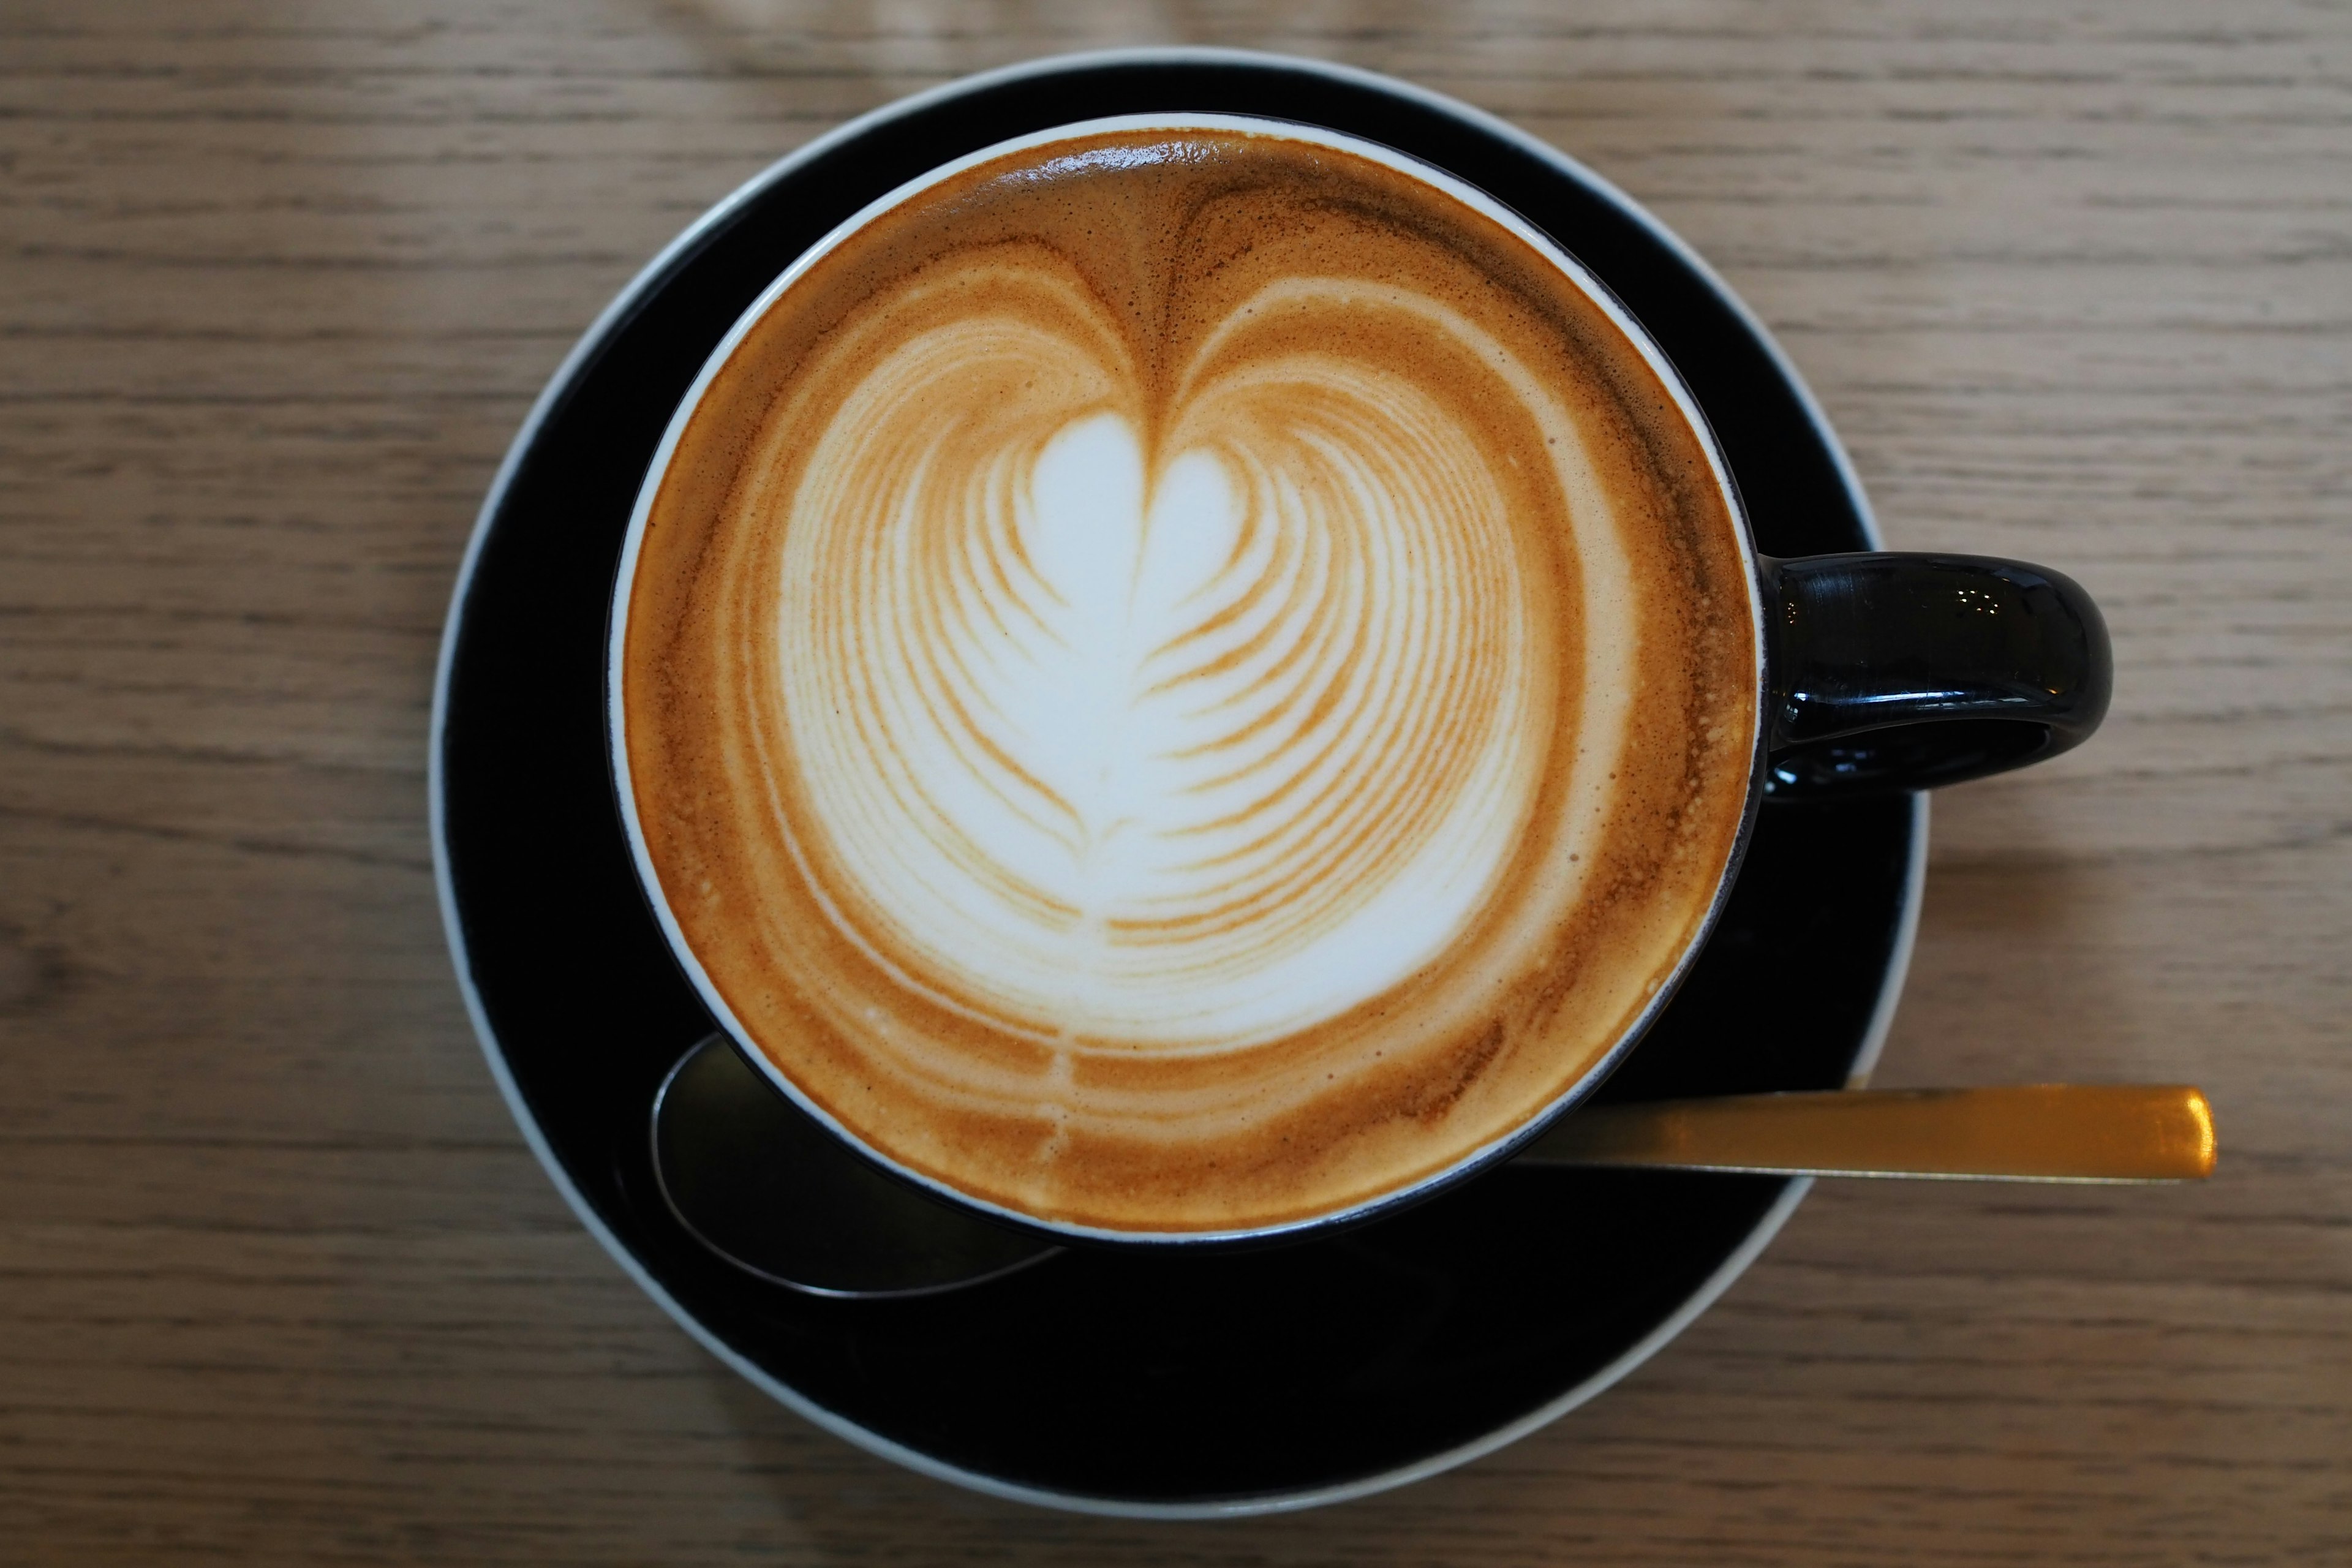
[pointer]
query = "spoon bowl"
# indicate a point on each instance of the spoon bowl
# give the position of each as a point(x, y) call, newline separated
point(761, 1184)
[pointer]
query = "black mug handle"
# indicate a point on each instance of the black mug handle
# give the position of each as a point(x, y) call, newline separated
point(1902, 671)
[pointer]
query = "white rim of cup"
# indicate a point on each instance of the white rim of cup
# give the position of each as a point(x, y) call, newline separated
point(1874, 1033)
point(1444, 183)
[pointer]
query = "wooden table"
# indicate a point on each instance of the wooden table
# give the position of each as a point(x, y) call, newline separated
point(279, 1280)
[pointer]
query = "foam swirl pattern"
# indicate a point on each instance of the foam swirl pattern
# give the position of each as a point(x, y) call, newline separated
point(1185, 749)
point(1166, 688)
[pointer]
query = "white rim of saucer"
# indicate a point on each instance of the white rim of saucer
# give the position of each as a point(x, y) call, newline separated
point(486, 1036)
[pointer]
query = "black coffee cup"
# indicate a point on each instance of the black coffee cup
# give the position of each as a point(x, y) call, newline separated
point(1875, 672)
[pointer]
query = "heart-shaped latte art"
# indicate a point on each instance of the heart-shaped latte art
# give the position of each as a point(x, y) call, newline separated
point(1190, 744)
point(1181, 681)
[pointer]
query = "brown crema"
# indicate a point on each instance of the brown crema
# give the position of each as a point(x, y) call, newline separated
point(1181, 682)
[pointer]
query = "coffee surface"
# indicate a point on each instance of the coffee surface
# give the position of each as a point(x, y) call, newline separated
point(1179, 680)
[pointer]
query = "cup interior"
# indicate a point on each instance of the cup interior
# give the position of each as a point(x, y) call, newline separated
point(1450, 187)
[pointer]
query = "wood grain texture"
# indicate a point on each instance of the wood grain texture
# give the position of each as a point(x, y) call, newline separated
point(278, 1281)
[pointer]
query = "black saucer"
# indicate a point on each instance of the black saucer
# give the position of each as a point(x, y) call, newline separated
point(1185, 1385)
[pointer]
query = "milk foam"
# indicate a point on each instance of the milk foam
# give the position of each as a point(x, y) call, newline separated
point(1184, 758)
point(1183, 680)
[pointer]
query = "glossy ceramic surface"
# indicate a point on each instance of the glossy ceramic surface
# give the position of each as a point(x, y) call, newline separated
point(1142, 1384)
point(1907, 671)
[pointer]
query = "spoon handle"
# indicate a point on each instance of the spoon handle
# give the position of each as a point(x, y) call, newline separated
point(2042, 1132)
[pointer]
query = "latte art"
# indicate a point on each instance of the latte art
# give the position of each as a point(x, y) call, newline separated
point(1177, 680)
point(1185, 747)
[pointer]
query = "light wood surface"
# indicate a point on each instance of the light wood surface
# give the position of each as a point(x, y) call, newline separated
point(279, 1280)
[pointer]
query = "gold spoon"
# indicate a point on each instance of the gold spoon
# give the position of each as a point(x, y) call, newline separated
point(2044, 1132)
point(764, 1187)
